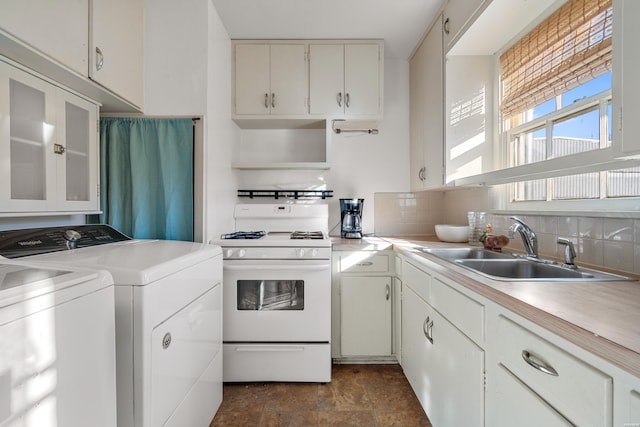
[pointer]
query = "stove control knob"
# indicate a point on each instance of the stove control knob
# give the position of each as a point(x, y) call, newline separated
point(241, 253)
point(300, 253)
point(228, 253)
point(314, 252)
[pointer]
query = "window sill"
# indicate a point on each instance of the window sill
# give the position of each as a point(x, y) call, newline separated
point(590, 161)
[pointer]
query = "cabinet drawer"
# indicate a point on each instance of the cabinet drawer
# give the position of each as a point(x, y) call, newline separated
point(579, 391)
point(417, 280)
point(464, 312)
point(361, 262)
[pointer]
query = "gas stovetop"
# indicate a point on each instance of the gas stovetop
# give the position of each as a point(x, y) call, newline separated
point(275, 239)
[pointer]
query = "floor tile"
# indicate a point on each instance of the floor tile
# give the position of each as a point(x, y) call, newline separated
point(358, 395)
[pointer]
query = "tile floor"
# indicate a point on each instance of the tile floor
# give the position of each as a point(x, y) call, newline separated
point(358, 395)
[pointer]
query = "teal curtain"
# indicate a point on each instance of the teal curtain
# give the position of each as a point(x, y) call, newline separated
point(146, 177)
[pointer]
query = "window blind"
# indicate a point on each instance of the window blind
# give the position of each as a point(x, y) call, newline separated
point(570, 47)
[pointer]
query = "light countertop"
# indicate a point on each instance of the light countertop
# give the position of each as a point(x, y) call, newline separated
point(601, 317)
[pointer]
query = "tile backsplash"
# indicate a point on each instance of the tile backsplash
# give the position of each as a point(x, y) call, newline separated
point(608, 242)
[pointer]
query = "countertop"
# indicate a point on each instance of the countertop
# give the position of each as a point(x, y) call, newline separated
point(601, 317)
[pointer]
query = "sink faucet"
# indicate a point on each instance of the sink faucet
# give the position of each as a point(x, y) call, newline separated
point(529, 238)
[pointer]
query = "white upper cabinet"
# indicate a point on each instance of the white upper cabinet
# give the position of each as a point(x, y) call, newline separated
point(626, 67)
point(426, 112)
point(67, 24)
point(94, 47)
point(50, 139)
point(458, 15)
point(116, 48)
point(346, 79)
point(270, 79)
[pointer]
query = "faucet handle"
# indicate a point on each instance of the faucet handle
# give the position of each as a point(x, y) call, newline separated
point(569, 251)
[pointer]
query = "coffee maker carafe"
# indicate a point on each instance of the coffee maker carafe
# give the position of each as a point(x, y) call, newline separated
point(351, 218)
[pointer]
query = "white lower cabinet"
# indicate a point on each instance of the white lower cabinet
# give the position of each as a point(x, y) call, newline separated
point(365, 316)
point(520, 405)
point(444, 367)
point(577, 390)
point(473, 362)
point(362, 306)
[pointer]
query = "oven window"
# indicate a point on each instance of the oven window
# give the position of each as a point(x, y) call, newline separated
point(270, 295)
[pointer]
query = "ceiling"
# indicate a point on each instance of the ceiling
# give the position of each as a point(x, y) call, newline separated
point(401, 23)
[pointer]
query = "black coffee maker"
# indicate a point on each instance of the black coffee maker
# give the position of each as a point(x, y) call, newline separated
point(351, 218)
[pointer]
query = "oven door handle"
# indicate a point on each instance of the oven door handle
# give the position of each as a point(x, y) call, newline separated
point(271, 267)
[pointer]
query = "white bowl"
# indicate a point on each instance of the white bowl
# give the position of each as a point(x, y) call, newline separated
point(452, 233)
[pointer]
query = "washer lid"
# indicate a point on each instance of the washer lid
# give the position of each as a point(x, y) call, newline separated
point(21, 282)
point(134, 262)
point(12, 275)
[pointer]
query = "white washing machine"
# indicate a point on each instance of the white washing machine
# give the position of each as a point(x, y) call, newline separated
point(57, 347)
point(168, 317)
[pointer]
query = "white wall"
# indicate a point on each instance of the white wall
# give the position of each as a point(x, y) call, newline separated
point(222, 134)
point(187, 73)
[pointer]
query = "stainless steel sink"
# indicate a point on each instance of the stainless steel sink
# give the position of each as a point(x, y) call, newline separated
point(453, 254)
point(506, 266)
point(527, 270)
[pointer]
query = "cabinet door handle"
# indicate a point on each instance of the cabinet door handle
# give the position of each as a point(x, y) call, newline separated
point(99, 59)
point(346, 100)
point(388, 292)
point(421, 173)
point(446, 26)
point(365, 264)
point(538, 364)
point(427, 328)
point(266, 100)
point(273, 100)
point(339, 99)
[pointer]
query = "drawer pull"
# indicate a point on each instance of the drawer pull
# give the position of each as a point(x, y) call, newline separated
point(365, 264)
point(538, 364)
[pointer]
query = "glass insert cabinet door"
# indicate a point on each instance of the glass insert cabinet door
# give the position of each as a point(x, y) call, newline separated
point(27, 130)
point(270, 295)
point(48, 140)
point(78, 162)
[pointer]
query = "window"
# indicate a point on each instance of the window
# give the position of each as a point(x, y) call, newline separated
point(556, 103)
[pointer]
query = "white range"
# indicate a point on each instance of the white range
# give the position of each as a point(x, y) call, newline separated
point(277, 294)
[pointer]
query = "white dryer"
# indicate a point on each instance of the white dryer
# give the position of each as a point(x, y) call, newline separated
point(168, 317)
point(57, 347)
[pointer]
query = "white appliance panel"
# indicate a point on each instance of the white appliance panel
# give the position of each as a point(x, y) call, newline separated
point(313, 323)
point(284, 362)
point(182, 347)
point(156, 282)
point(58, 349)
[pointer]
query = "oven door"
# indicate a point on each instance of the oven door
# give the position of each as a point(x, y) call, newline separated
point(277, 301)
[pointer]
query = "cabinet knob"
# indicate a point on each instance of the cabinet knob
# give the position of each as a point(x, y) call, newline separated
point(59, 149)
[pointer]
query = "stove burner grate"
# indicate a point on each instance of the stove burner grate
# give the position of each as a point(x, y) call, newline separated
point(316, 235)
point(243, 235)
